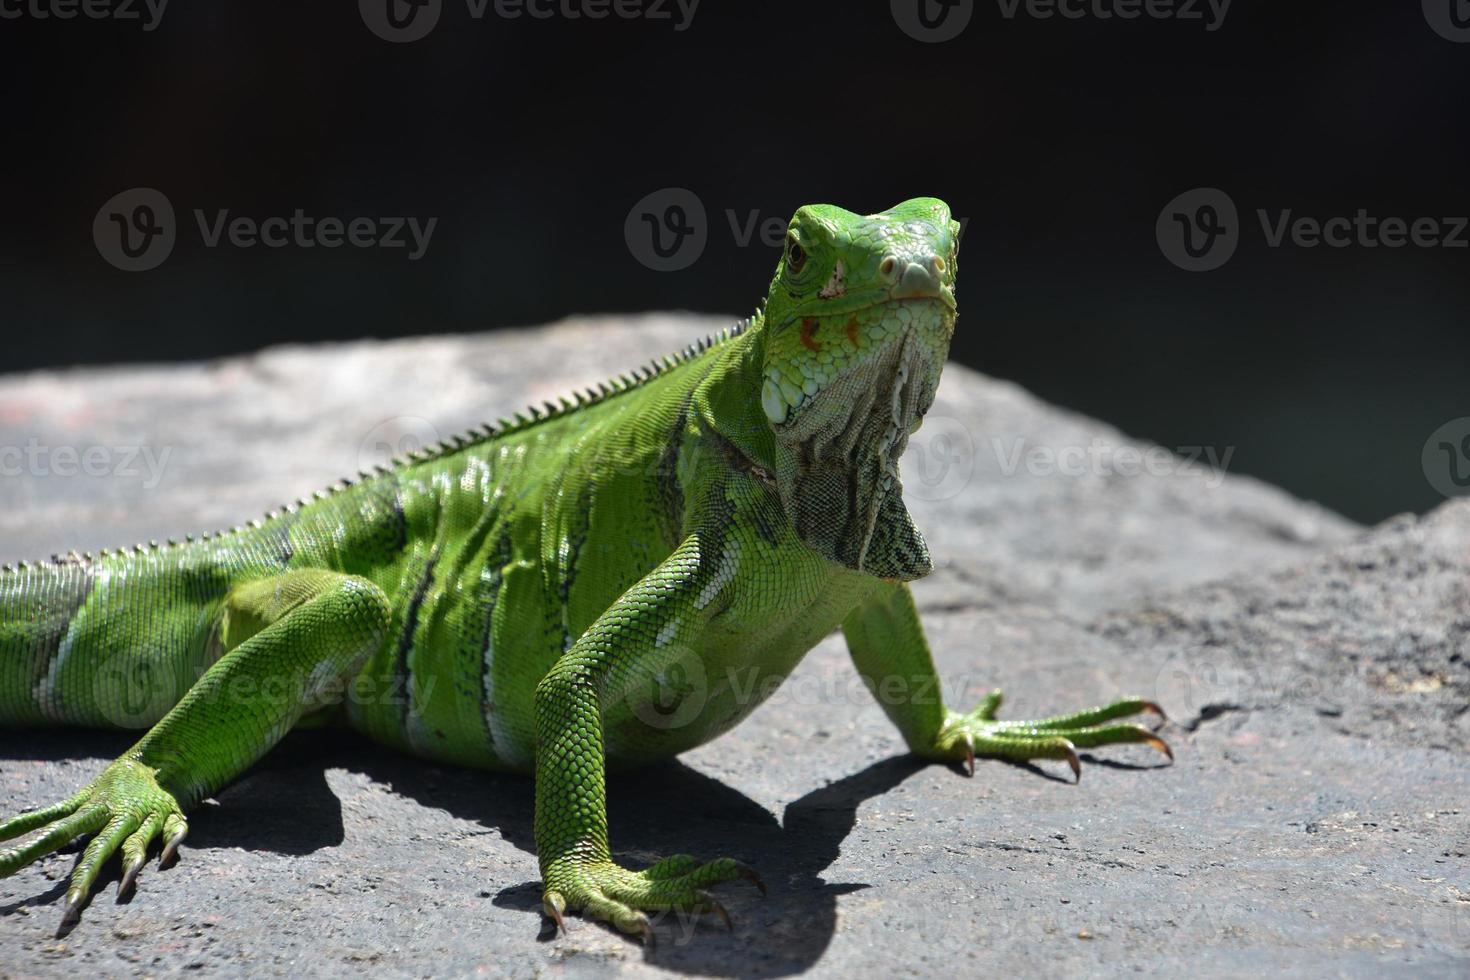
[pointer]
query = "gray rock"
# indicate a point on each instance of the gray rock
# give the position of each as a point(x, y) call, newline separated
point(1314, 822)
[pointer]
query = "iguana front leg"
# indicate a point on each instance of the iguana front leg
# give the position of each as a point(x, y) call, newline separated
point(287, 638)
point(886, 640)
point(634, 639)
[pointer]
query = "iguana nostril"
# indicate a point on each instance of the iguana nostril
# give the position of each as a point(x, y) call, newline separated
point(887, 267)
point(938, 261)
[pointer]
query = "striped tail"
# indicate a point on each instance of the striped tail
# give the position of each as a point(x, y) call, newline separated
point(112, 642)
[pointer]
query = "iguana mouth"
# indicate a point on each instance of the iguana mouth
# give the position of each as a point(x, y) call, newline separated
point(845, 343)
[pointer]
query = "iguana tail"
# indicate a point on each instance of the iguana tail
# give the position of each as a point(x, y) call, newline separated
point(110, 642)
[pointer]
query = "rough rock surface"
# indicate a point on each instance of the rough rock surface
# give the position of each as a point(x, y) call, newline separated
point(1317, 673)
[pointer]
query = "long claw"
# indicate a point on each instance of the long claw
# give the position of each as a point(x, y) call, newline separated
point(970, 753)
point(749, 875)
point(645, 929)
point(719, 910)
point(171, 846)
point(129, 878)
point(1152, 707)
point(1072, 760)
point(1155, 742)
point(135, 850)
point(553, 904)
point(71, 909)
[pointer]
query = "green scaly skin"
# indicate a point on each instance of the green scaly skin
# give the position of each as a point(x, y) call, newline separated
point(617, 579)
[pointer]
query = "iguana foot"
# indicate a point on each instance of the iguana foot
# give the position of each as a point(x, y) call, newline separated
point(124, 807)
point(603, 890)
point(965, 736)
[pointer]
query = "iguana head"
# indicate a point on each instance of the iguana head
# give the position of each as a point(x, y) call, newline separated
point(857, 326)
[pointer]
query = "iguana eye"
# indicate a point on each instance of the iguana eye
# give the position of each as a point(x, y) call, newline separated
point(795, 255)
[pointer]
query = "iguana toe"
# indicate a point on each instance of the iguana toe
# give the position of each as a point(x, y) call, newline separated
point(603, 890)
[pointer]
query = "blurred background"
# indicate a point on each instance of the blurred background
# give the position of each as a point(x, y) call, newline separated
point(537, 145)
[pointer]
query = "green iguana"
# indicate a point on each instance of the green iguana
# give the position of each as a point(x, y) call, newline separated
point(545, 588)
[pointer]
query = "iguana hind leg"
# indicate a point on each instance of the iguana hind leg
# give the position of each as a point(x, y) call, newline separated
point(287, 638)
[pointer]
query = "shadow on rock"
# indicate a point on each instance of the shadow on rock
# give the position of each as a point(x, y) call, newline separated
point(64, 743)
point(670, 808)
point(653, 812)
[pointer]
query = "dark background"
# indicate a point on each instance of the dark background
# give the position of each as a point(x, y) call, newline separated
point(530, 140)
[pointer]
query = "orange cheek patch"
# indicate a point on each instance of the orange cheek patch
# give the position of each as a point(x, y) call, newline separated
point(809, 334)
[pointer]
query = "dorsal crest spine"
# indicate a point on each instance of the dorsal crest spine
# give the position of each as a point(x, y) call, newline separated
point(532, 415)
